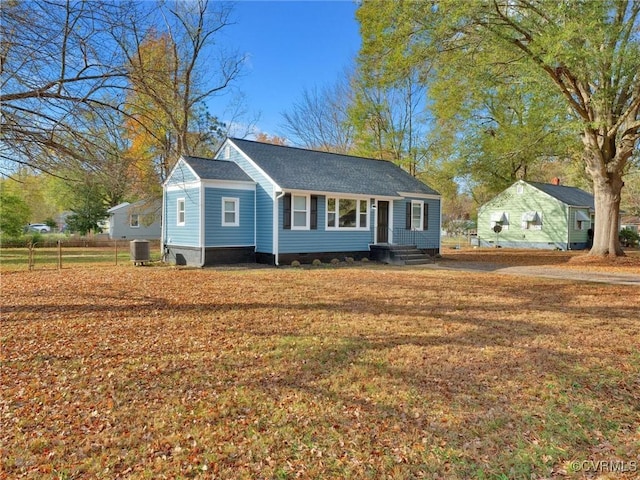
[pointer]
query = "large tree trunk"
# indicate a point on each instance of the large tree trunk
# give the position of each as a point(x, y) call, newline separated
point(607, 202)
point(604, 167)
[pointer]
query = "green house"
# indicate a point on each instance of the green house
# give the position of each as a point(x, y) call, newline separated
point(537, 215)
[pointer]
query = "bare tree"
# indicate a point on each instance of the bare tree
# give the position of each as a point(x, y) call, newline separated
point(320, 119)
point(68, 67)
point(168, 77)
point(58, 70)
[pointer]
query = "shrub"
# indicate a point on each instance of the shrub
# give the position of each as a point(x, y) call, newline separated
point(316, 262)
point(629, 238)
point(33, 239)
point(335, 262)
point(349, 260)
point(364, 259)
point(295, 263)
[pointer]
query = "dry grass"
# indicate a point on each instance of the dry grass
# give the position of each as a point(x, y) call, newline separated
point(122, 372)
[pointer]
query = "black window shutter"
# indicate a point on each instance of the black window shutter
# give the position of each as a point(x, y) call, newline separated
point(286, 211)
point(408, 223)
point(425, 216)
point(314, 212)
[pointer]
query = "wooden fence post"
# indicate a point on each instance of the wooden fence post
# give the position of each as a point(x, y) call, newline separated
point(31, 262)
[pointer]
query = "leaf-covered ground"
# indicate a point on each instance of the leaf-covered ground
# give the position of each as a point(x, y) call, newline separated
point(377, 372)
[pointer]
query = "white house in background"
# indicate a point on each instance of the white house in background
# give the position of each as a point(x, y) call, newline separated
point(140, 220)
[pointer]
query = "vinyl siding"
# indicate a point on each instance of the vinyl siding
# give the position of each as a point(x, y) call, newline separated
point(181, 174)
point(217, 235)
point(187, 234)
point(264, 200)
point(578, 236)
point(322, 240)
point(120, 224)
point(428, 238)
point(264, 220)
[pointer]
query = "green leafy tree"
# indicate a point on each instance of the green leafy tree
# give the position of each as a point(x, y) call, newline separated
point(88, 207)
point(584, 55)
point(14, 214)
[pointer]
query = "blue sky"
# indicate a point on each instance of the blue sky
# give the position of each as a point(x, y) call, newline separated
point(290, 46)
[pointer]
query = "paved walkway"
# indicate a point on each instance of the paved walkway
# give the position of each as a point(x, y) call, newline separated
point(545, 272)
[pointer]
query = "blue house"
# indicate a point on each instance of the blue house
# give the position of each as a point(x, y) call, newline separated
point(258, 202)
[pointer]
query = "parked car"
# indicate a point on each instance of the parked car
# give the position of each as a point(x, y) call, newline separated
point(39, 227)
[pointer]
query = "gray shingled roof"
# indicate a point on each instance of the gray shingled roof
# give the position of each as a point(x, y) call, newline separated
point(299, 169)
point(208, 169)
point(571, 196)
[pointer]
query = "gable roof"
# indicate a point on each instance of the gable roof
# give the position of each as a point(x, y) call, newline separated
point(571, 196)
point(117, 207)
point(208, 169)
point(299, 169)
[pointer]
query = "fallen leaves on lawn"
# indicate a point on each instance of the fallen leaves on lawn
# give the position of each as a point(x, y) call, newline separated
point(122, 372)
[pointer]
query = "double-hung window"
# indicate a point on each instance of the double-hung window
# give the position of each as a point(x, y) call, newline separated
point(134, 220)
point(230, 212)
point(583, 222)
point(347, 213)
point(417, 215)
point(300, 212)
point(499, 218)
point(180, 212)
point(531, 221)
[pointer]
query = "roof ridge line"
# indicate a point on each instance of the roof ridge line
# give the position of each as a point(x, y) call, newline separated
point(312, 150)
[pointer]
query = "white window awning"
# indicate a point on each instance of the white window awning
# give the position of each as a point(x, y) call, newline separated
point(499, 217)
point(581, 216)
point(533, 217)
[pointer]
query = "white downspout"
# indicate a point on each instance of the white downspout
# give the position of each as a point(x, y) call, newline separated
point(163, 225)
point(201, 202)
point(276, 240)
point(440, 227)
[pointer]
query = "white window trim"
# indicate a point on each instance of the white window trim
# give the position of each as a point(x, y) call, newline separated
point(307, 225)
point(181, 201)
point(532, 224)
point(582, 225)
point(337, 212)
point(413, 227)
point(131, 225)
point(236, 211)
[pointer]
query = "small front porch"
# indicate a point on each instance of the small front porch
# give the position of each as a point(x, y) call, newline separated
point(401, 254)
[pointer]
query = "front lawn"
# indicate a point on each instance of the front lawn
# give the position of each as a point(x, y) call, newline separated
point(377, 372)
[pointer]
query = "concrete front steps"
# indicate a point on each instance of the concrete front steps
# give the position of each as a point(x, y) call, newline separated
point(400, 255)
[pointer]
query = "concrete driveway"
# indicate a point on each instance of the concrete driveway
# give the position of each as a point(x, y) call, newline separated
point(554, 272)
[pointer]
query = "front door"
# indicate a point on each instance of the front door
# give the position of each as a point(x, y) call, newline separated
point(383, 222)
